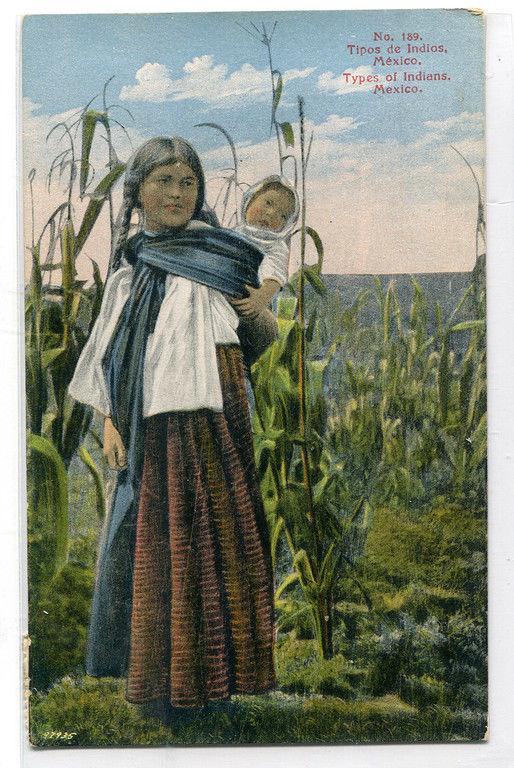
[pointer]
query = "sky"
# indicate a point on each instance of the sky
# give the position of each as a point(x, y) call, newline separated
point(385, 190)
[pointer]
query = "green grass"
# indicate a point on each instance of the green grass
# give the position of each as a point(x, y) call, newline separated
point(300, 670)
point(90, 712)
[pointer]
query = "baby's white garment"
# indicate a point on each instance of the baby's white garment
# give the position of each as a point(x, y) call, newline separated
point(275, 264)
point(275, 245)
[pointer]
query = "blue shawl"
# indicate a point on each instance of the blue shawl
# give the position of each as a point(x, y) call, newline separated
point(215, 257)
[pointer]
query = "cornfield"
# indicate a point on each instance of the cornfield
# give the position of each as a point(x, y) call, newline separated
point(350, 417)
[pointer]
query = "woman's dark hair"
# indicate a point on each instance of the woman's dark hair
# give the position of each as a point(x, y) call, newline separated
point(152, 154)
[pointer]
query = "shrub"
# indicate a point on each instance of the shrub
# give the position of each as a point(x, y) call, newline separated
point(442, 547)
point(90, 712)
point(465, 653)
point(58, 626)
point(405, 650)
point(423, 691)
point(300, 670)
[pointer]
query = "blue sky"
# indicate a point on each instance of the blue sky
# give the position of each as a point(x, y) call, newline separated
point(66, 59)
point(175, 70)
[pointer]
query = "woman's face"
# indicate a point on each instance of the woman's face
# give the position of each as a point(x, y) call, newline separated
point(168, 196)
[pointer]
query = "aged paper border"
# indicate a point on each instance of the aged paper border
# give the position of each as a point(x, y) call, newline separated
point(497, 753)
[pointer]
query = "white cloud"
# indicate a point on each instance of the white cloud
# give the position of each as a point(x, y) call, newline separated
point(360, 79)
point(465, 121)
point(153, 83)
point(379, 206)
point(203, 80)
point(335, 125)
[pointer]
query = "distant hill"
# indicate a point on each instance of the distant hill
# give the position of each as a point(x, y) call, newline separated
point(444, 287)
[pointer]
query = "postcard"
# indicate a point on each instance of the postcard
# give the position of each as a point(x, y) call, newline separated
point(255, 349)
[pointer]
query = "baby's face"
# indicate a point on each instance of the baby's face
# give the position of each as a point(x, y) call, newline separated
point(270, 209)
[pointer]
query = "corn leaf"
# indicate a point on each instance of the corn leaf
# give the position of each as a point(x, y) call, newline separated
point(304, 569)
point(274, 539)
point(444, 383)
point(76, 424)
point(48, 504)
point(49, 356)
point(287, 307)
point(96, 203)
point(318, 243)
point(287, 133)
point(291, 578)
point(90, 120)
point(97, 479)
point(312, 275)
point(68, 269)
point(467, 325)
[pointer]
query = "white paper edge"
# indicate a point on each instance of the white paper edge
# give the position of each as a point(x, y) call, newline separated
point(499, 751)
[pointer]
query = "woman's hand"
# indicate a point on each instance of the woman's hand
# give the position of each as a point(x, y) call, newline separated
point(257, 299)
point(114, 450)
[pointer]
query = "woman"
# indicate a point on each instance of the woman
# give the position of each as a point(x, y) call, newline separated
point(183, 601)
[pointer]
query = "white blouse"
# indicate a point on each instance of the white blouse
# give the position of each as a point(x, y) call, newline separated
point(181, 370)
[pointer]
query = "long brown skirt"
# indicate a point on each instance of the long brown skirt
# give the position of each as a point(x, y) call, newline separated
point(202, 611)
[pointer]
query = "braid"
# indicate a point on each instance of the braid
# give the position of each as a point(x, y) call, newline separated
point(124, 218)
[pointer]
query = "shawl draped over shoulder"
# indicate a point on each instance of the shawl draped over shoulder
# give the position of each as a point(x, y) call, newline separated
point(220, 259)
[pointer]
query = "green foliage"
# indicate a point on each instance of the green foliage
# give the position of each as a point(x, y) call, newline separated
point(408, 414)
point(466, 659)
point(47, 512)
point(404, 649)
point(302, 512)
point(426, 576)
point(95, 712)
point(299, 670)
point(59, 317)
point(88, 712)
point(57, 626)
point(442, 548)
point(424, 691)
point(387, 430)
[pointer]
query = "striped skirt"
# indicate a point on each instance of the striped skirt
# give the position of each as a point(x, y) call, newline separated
point(202, 609)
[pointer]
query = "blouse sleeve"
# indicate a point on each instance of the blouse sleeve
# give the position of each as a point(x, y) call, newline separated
point(275, 264)
point(88, 384)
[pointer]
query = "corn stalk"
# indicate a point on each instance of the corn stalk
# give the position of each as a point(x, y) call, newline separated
point(59, 319)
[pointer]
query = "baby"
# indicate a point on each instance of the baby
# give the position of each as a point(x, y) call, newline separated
point(269, 213)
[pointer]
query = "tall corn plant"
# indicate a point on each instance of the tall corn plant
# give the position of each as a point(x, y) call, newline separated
point(410, 418)
point(232, 187)
point(58, 320)
point(290, 408)
point(463, 395)
point(290, 422)
point(283, 130)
